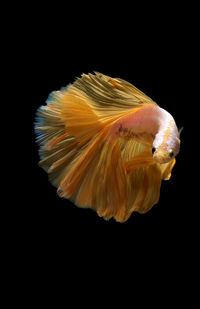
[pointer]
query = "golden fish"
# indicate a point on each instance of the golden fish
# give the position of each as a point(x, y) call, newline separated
point(106, 145)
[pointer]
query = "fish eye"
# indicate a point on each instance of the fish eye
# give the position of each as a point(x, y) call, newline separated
point(171, 153)
point(153, 150)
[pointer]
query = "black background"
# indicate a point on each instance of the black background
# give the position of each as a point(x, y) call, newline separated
point(156, 54)
point(154, 64)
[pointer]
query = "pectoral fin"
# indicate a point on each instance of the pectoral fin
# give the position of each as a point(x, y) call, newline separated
point(166, 169)
point(140, 160)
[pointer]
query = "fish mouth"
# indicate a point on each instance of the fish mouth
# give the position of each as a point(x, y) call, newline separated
point(161, 158)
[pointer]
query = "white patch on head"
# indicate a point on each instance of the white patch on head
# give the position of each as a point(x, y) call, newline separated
point(158, 139)
point(167, 123)
point(171, 143)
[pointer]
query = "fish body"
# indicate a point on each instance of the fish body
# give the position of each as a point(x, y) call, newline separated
point(96, 138)
point(152, 125)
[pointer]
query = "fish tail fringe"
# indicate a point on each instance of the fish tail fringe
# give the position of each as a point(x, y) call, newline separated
point(57, 146)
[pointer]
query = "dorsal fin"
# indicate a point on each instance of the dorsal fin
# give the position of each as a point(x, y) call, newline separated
point(110, 95)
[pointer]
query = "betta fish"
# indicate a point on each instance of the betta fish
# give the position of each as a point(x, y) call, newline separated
point(106, 145)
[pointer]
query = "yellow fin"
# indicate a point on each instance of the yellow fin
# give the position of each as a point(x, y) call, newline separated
point(142, 159)
point(110, 96)
point(166, 169)
point(97, 179)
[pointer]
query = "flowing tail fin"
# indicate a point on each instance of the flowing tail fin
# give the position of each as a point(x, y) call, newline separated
point(82, 161)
